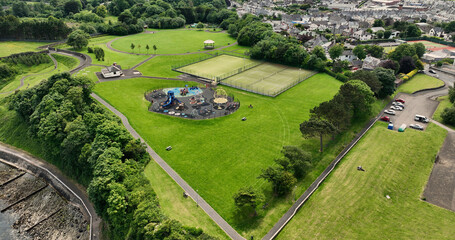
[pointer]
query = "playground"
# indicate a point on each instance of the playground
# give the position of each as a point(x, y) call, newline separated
point(192, 102)
point(432, 46)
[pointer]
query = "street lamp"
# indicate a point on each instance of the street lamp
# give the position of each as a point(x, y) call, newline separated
point(197, 198)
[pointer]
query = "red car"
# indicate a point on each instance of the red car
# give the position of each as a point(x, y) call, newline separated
point(385, 119)
point(399, 100)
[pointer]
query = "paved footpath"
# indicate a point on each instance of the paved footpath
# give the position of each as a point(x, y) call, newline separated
point(179, 180)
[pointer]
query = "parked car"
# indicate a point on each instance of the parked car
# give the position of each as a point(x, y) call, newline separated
point(390, 112)
point(431, 71)
point(420, 118)
point(385, 119)
point(416, 126)
point(398, 108)
point(400, 100)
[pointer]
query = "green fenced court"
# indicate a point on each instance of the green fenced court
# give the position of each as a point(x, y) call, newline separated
point(219, 67)
point(268, 79)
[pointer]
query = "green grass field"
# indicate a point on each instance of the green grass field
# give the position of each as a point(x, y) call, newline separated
point(219, 156)
point(172, 41)
point(353, 205)
point(161, 66)
point(218, 66)
point(12, 47)
point(268, 78)
point(419, 82)
point(89, 72)
point(443, 104)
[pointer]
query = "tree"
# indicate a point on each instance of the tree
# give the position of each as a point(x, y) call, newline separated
point(200, 26)
point(448, 116)
point(319, 52)
point(413, 31)
point(390, 64)
point(359, 95)
point(359, 51)
point(154, 48)
point(375, 50)
point(72, 6)
point(147, 47)
point(369, 78)
point(420, 49)
point(452, 94)
point(139, 47)
point(387, 34)
point(336, 51)
point(101, 11)
point(378, 23)
point(380, 34)
point(401, 51)
point(21, 9)
point(132, 46)
point(78, 39)
point(317, 128)
point(127, 17)
point(296, 160)
point(282, 181)
point(248, 198)
point(99, 53)
point(387, 79)
point(407, 65)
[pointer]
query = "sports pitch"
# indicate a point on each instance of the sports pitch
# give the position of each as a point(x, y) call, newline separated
point(254, 76)
point(432, 46)
point(218, 66)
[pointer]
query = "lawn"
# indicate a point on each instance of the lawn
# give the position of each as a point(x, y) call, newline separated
point(42, 71)
point(219, 66)
point(171, 41)
point(419, 82)
point(161, 66)
point(268, 79)
point(353, 205)
point(12, 47)
point(218, 156)
point(89, 72)
point(443, 104)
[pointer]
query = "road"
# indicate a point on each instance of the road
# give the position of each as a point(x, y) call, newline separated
point(179, 180)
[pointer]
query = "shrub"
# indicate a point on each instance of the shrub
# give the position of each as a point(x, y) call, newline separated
point(89, 49)
point(341, 77)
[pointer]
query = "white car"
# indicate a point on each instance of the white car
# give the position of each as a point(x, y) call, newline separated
point(398, 108)
point(398, 104)
point(390, 112)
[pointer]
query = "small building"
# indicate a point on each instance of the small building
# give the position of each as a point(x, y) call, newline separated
point(112, 71)
point(370, 63)
point(209, 44)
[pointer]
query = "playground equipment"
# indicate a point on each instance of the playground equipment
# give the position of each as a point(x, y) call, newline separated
point(183, 91)
point(171, 100)
point(220, 96)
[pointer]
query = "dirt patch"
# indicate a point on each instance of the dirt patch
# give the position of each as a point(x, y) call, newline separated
point(440, 189)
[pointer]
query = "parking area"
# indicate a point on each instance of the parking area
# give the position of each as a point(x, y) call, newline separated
point(415, 104)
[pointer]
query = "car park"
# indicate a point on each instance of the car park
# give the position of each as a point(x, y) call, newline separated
point(385, 119)
point(390, 112)
point(398, 108)
point(420, 118)
point(416, 126)
point(400, 100)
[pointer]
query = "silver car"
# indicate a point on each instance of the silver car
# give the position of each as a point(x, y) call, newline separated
point(390, 112)
point(416, 126)
point(398, 108)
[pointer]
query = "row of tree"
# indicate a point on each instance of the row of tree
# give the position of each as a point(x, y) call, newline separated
point(90, 144)
point(47, 29)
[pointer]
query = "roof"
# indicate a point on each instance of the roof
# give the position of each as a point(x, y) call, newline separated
point(209, 41)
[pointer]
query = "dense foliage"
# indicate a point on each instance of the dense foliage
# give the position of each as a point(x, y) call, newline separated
point(93, 147)
point(27, 59)
point(278, 48)
point(48, 29)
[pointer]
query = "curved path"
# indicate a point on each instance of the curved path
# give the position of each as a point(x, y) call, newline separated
point(426, 94)
point(73, 187)
point(174, 175)
point(35, 74)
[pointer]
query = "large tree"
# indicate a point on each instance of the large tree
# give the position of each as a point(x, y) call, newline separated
point(369, 78)
point(359, 95)
point(78, 39)
point(359, 51)
point(248, 198)
point(407, 64)
point(387, 78)
point(413, 31)
point(336, 51)
point(401, 51)
point(296, 160)
point(378, 23)
point(420, 49)
point(319, 52)
point(315, 127)
point(282, 180)
point(72, 6)
point(375, 50)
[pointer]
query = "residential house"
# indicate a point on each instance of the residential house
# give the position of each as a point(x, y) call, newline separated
point(362, 35)
point(348, 55)
point(370, 63)
point(436, 32)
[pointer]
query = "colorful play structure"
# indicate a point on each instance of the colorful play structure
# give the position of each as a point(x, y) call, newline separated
point(192, 102)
